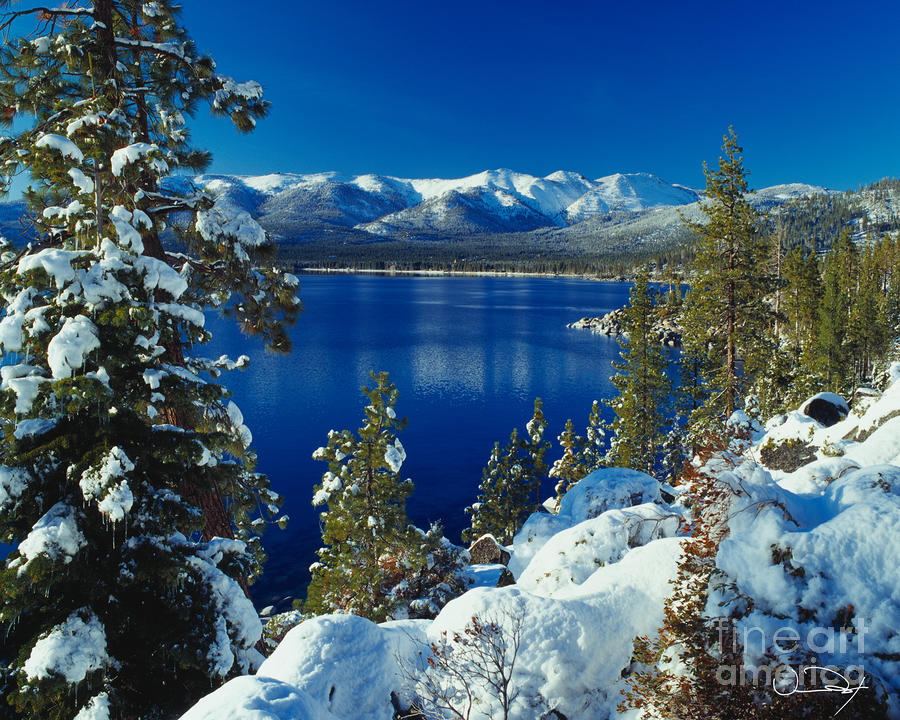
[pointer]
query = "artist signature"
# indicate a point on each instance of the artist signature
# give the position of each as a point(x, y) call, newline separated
point(832, 681)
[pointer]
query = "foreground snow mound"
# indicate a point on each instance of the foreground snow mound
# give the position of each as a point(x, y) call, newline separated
point(345, 663)
point(816, 551)
point(602, 490)
point(824, 568)
point(572, 651)
point(255, 698)
point(571, 556)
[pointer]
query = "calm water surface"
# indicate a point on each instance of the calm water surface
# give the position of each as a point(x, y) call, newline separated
point(468, 355)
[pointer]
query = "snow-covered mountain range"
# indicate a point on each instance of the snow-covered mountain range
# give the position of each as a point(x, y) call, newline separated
point(490, 202)
point(336, 219)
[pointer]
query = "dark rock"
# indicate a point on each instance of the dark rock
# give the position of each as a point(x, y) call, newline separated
point(554, 714)
point(506, 579)
point(487, 551)
point(824, 411)
point(404, 712)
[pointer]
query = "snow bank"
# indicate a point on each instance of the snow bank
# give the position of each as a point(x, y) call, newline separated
point(600, 491)
point(345, 663)
point(573, 555)
point(257, 698)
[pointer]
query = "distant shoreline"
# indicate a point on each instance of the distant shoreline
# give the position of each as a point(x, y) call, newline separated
point(457, 273)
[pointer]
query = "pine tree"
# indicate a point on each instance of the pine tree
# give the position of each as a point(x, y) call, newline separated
point(370, 550)
point(868, 332)
point(503, 501)
point(726, 317)
point(834, 312)
point(568, 469)
point(642, 384)
point(593, 454)
point(534, 451)
point(119, 452)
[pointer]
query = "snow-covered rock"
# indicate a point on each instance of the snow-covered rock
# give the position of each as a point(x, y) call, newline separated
point(257, 698)
point(345, 663)
point(600, 491)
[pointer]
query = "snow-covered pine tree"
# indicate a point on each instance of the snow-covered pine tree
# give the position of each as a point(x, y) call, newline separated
point(568, 469)
point(534, 451)
point(643, 386)
point(725, 316)
point(373, 562)
point(593, 454)
point(118, 451)
point(502, 505)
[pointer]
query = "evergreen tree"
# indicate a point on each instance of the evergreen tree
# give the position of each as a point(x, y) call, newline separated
point(726, 317)
point(868, 332)
point(510, 483)
point(642, 384)
point(502, 505)
point(834, 312)
point(118, 451)
point(593, 454)
point(534, 451)
point(569, 469)
point(801, 299)
point(370, 551)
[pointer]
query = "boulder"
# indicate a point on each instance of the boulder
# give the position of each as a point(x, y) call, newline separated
point(788, 455)
point(487, 551)
point(826, 408)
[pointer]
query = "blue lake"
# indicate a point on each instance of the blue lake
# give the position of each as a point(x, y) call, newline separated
point(468, 356)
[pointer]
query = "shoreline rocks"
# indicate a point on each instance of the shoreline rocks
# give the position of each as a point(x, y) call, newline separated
point(668, 330)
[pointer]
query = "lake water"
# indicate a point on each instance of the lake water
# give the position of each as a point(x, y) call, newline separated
point(468, 356)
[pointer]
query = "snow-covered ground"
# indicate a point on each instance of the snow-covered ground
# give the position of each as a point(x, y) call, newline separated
point(817, 550)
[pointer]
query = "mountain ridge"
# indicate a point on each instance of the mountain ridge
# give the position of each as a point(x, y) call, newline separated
point(488, 202)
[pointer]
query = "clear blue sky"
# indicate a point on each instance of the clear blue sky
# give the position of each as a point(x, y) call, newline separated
point(452, 88)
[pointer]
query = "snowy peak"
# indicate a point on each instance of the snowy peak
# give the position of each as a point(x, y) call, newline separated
point(630, 192)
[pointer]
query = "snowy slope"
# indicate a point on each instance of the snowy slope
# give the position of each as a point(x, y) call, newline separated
point(815, 553)
point(628, 193)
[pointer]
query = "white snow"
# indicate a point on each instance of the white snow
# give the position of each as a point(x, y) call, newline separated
point(238, 625)
point(225, 223)
point(394, 455)
point(129, 237)
point(107, 485)
point(71, 649)
point(136, 152)
point(56, 263)
point(345, 663)
point(70, 347)
point(96, 709)
point(600, 491)
point(55, 535)
point(81, 181)
point(13, 481)
point(62, 145)
point(258, 698)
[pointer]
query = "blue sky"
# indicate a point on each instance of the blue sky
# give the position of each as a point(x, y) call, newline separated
point(452, 88)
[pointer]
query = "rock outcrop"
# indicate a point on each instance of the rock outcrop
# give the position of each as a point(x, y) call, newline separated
point(668, 329)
